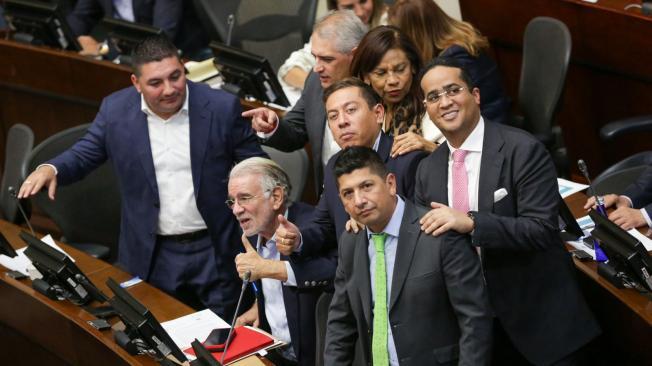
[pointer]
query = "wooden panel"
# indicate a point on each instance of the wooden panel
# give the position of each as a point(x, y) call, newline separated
point(609, 76)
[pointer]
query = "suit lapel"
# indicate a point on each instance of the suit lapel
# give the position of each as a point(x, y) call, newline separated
point(363, 279)
point(490, 167)
point(407, 242)
point(385, 147)
point(441, 178)
point(199, 119)
point(140, 138)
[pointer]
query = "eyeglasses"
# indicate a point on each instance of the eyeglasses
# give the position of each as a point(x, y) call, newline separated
point(242, 200)
point(450, 92)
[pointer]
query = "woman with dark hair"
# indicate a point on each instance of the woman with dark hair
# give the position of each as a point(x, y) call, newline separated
point(437, 34)
point(387, 60)
point(296, 68)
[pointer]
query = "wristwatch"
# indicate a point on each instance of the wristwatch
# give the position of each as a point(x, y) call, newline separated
point(471, 215)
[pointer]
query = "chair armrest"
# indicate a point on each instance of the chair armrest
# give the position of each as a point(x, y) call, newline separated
point(626, 126)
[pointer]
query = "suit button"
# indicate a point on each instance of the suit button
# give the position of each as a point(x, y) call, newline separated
point(307, 283)
point(157, 205)
point(314, 283)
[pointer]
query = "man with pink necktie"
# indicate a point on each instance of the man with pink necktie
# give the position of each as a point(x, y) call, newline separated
point(497, 184)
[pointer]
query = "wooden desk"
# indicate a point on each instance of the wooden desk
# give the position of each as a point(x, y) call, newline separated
point(35, 330)
point(609, 76)
point(625, 315)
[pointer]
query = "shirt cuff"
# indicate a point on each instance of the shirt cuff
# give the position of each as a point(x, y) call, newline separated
point(292, 280)
point(646, 217)
point(267, 135)
point(50, 165)
point(300, 245)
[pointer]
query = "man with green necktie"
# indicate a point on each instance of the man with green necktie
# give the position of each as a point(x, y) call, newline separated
point(406, 297)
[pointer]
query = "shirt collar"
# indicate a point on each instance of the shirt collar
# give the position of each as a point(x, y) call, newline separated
point(474, 141)
point(394, 225)
point(377, 143)
point(145, 108)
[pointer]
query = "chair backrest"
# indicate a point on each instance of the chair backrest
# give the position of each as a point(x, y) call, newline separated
point(268, 28)
point(87, 211)
point(546, 52)
point(20, 140)
point(321, 317)
point(295, 164)
point(617, 177)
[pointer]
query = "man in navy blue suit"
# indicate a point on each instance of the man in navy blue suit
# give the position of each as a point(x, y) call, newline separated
point(258, 196)
point(176, 18)
point(172, 144)
point(355, 114)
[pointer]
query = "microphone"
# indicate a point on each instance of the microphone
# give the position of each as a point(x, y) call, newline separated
point(245, 282)
point(231, 22)
point(600, 256)
point(14, 194)
point(599, 201)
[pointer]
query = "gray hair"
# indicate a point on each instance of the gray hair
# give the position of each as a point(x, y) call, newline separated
point(343, 27)
point(271, 174)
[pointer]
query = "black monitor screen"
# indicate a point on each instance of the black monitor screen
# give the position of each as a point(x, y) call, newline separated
point(59, 270)
point(123, 36)
point(141, 323)
point(6, 248)
point(248, 75)
point(40, 24)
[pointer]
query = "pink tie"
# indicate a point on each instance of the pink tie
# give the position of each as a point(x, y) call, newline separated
point(460, 182)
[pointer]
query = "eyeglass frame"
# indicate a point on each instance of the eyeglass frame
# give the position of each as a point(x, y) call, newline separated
point(446, 91)
point(231, 202)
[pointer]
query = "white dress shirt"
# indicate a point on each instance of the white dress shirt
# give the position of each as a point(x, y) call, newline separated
point(391, 242)
point(170, 144)
point(273, 292)
point(472, 144)
point(124, 9)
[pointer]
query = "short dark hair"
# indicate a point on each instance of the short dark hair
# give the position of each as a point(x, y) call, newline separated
point(368, 93)
point(358, 157)
point(151, 49)
point(448, 62)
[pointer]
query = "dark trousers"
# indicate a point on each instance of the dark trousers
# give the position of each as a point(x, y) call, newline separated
point(189, 271)
point(505, 353)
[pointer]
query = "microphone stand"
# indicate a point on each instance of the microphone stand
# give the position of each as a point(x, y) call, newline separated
point(600, 256)
point(245, 282)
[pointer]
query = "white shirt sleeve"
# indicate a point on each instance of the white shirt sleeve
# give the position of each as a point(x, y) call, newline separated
point(50, 165)
point(301, 58)
point(292, 280)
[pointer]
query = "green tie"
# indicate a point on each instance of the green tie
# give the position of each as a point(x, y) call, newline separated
point(379, 341)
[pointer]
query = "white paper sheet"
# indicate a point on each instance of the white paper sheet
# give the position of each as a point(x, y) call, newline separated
point(567, 188)
point(19, 263)
point(198, 325)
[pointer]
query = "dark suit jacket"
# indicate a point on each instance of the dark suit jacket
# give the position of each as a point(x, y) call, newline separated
point(177, 18)
point(640, 192)
point(530, 276)
point(494, 102)
point(300, 301)
point(219, 137)
point(304, 123)
point(438, 308)
point(330, 217)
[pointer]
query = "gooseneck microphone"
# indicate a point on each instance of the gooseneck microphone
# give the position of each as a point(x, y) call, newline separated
point(230, 21)
point(245, 282)
point(14, 194)
point(599, 200)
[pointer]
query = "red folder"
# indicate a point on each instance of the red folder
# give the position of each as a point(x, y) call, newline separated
point(245, 342)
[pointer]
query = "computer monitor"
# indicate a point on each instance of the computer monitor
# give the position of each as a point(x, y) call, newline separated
point(626, 253)
point(567, 224)
point(40, 24)
point(248, 75)
point(123, 36)
point(60, 271)
point(141, 324)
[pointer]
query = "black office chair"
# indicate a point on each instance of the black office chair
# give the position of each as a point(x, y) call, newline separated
point(269, 28)
point(321, 317)
point(296, 165)
point(546, 52)
point(621, 174)
point(87, 212)
point(20, 140)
